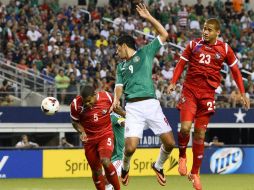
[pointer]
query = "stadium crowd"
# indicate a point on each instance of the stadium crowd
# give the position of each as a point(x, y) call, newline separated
point(65, 43)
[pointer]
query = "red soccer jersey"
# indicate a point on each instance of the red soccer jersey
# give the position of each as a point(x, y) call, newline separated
point(96, 120)
point(205, 61)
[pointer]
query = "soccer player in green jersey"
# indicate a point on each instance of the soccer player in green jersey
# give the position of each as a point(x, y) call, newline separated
point(118, 123)
point(134, 79)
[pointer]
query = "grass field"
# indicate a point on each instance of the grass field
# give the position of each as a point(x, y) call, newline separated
point(210, 182)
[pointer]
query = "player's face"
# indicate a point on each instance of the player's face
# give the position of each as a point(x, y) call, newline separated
point(210, 34)
point(89, 101)
point(121, 50)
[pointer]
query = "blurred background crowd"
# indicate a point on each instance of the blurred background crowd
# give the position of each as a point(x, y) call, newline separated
point(69, 46)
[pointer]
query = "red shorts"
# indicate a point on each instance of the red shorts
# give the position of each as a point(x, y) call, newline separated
point(197, 101)
point(102, 148)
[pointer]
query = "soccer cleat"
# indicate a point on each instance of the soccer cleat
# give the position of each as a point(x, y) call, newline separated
point(159, 174)
point(124, 177)
point(195, 179)
point(182, 168)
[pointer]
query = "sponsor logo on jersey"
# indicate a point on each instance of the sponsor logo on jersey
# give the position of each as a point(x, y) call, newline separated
point(217, 56)
point(226, 160)
point(136, 59)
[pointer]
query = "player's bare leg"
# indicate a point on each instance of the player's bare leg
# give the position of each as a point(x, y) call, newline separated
point(110, 173)
point(168, 143)
point(183, 140)
point(131, 144)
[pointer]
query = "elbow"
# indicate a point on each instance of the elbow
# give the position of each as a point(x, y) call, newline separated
point(164, 36)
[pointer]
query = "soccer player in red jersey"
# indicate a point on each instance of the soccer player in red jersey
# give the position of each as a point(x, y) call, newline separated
point(91, 116)
point(205, 57)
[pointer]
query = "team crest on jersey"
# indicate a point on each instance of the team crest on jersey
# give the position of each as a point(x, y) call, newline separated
point(104, 111)
point(136, 59)
point(217, 56)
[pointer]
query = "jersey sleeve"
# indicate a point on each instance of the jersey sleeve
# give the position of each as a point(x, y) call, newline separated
point(187, 52)
point(153, 47)
point(116, 119)
point(119, 78)
point(75, 110)
point(230, 59)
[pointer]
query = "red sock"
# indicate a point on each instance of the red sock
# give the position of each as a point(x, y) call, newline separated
point(198, 153)
point(99, 182)
point(112, 177)
point(182, 143)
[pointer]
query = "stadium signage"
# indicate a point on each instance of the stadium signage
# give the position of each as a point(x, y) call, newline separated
point(2, 164)
point(20, 164)
point(226, 160)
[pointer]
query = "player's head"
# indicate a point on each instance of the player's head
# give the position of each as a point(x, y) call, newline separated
point(124, 44)
point(211, 30)
point(88, 96)
point(24, 138)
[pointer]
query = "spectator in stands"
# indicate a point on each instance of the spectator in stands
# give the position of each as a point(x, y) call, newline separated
point(5, 93)
point(215, 142)
point(235, 97)
point(64, 143)
point(199, 7)
point(62, 83)
point(25, 143)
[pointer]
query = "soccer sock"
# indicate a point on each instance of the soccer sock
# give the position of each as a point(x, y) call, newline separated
point(99, 182)
point(198, 153)
point(108, 187)
point(126, 162)
point(112, 177)
point(182, 143)
point(163, 156)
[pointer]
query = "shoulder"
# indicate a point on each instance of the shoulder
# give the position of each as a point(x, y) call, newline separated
point(77, 104)
point(104, 95)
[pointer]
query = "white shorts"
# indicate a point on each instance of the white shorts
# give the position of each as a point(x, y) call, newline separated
point(145, 114)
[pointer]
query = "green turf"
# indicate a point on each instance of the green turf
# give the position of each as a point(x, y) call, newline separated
point(210, 182)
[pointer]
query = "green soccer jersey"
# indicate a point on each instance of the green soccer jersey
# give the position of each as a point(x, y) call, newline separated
point(119, 136)
point(136, 74)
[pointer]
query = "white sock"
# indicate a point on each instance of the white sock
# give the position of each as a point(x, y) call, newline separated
point(126, 162)
point(163, 156)
point(109, 187)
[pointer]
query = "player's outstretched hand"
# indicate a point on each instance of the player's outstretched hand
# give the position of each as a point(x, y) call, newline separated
point(142, 11)
point(245, 102)
point(83, 137)
point(171, 88)
point(115, 105)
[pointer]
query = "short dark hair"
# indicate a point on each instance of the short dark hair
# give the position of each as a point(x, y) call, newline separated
point(87, 91)
point(215, 22)
point(128, 40)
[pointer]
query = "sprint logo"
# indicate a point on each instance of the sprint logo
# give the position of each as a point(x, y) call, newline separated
point(172, 163)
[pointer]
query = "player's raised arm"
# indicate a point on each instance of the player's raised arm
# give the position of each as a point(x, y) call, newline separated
point(144, 13)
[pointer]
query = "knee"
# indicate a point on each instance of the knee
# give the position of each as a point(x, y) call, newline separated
point(105, 162)
point(185, 129)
